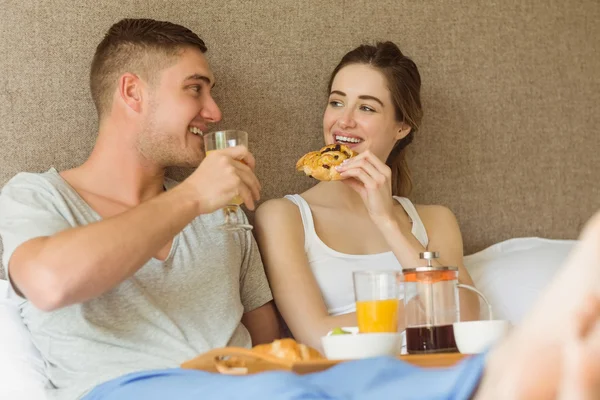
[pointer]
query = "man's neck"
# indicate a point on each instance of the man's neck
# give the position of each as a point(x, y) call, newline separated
point(116, 170)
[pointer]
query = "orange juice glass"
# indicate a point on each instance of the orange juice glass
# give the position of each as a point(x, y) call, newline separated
point(377, 299)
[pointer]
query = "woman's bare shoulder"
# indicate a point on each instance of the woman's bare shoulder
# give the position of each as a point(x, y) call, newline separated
point(279, 220)
point(277, 208)
point(433, 211)
point(434, 215)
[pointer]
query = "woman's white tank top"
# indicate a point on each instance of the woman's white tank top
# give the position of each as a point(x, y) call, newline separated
point(333, 270)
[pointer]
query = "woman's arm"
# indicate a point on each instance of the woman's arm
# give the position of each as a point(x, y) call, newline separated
point(280, 236)
point(371, 179)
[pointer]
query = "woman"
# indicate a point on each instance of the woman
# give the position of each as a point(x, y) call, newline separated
point(312, 242)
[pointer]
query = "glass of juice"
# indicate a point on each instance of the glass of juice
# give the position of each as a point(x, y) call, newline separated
point(377, 300)
point(220, 140)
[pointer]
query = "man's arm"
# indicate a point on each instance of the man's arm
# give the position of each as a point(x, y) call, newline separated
point(262, 324)
point(81, 263)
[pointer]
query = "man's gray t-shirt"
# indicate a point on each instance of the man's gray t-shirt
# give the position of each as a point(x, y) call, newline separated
point(168, 312)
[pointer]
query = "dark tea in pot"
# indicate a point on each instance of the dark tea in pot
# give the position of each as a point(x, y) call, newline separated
point(430, 339)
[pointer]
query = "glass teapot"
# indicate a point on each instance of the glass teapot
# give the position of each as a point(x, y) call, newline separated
point(431, 306)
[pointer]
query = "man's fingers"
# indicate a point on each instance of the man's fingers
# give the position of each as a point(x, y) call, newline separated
point(249, 179)
point(247, 197)
point(241, 153)
point(219, 171)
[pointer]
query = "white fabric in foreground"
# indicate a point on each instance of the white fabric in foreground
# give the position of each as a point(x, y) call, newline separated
point(21, 365)
point(512, 274)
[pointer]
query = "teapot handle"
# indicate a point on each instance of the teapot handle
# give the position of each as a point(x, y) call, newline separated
point(472, 289)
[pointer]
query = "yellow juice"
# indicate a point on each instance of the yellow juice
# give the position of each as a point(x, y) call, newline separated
point(237, 200)
point(377, 315)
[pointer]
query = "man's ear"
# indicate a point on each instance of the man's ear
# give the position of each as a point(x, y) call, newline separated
point(403, 130)
point(131, 91)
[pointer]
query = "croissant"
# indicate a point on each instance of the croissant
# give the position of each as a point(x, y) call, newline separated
point(289, 349)
point(285, 349)
point(321, 164)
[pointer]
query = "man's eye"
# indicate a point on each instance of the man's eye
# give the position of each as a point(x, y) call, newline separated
point(196, 88)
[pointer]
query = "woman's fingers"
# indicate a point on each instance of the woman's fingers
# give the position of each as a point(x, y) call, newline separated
point(369, 175)
point(377, 163)
point(361, 175)
point(367, 159)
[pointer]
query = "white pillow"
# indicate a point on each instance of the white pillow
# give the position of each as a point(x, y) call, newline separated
point(21, 365)
point(512, 274)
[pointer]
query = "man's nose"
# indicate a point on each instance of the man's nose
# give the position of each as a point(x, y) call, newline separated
point(211, 111)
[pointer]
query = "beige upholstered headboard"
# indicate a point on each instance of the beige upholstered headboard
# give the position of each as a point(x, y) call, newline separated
point(511, 94)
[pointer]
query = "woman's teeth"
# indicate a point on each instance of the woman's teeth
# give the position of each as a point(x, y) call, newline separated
point(344, 139)
point(195, 131)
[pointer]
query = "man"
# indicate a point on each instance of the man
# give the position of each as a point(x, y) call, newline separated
point(121, 269)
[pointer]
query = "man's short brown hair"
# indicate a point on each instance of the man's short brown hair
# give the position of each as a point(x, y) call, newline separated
point(138, 46)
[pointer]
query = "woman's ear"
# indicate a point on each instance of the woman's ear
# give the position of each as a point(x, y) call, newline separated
point(403, 130)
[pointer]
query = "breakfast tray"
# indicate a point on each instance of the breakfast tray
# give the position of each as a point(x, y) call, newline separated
point(242, 361)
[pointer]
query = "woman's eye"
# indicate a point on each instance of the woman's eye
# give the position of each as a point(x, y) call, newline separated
point(335, 103)
point(367, 108)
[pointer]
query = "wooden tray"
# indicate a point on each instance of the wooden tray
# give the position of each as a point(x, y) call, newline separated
point(242, 361)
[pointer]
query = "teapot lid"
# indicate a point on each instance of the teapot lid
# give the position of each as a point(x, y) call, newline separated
point(429, 255)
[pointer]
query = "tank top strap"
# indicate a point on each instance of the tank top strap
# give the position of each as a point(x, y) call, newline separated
point(307, 218)
point(418, 228)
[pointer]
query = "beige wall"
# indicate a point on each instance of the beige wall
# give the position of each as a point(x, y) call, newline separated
point(511, 93)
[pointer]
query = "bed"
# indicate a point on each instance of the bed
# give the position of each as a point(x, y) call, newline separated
point(510, 89)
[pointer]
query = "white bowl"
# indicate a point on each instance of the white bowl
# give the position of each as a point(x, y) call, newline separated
point(473, 337)
point(361, 345)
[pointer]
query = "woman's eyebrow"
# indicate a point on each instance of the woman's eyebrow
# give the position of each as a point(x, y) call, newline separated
point(362, 97)
point(367, 97)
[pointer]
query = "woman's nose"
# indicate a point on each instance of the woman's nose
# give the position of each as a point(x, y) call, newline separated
point(347, 120)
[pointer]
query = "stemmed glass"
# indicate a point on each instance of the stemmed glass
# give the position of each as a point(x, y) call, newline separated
point(220, 140)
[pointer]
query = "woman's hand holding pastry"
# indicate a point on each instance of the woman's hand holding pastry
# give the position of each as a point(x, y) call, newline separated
point(371, 179)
